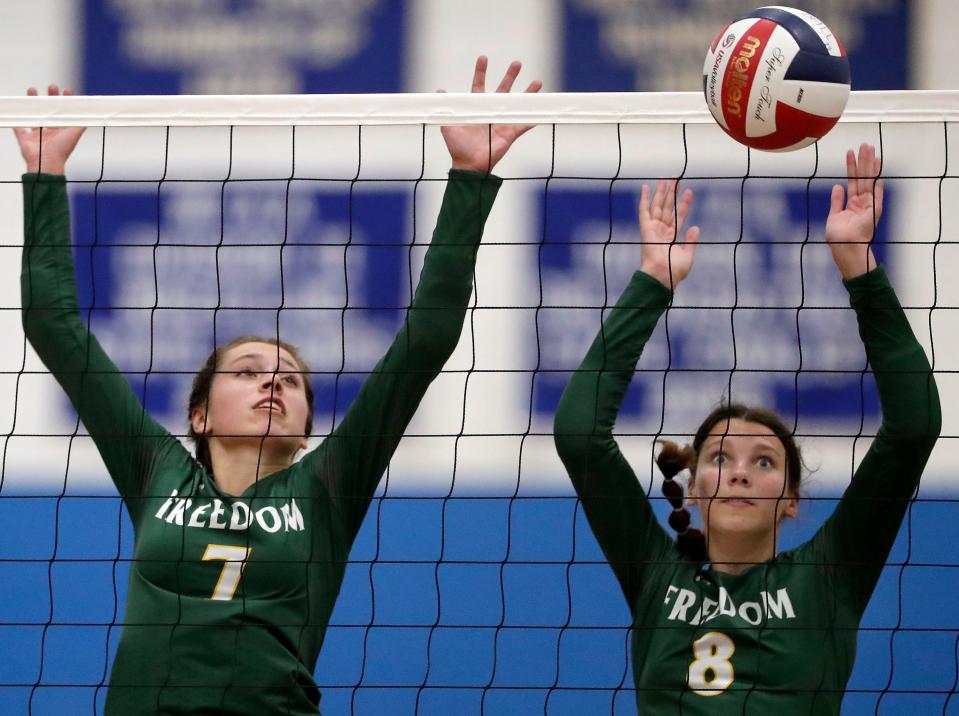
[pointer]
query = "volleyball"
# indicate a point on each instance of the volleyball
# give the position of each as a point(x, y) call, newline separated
point(776, 79)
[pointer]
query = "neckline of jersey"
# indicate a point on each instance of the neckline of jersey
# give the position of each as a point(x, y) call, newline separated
point(250, 492)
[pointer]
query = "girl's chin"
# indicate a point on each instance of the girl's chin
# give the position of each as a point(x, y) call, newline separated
point(738, 523)
point(259, 438)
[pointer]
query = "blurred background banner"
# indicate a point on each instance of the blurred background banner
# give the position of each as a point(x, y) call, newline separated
point(272, 259)
point(656, 46)
point(242, 46)
point(756, 323)
point(649, 45)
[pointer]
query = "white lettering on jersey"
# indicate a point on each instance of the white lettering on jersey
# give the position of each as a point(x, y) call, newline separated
point(685, 600)
point(213, 515)
point(235, 523)
point(180, 505)
point(751, 612)
point(273, 523)
point(196, 519)
point(292, 517)
point(682, 601)
point(780, 604)
point(166, 505)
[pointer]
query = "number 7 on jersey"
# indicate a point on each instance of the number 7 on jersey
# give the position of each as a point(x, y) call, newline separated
point(236, 559)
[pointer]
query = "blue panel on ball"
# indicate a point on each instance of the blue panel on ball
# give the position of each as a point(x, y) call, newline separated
point(805, 35)
point(819, 68)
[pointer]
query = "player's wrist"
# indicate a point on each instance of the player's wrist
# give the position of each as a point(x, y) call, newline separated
point(661, 274)
point(853, 260)
point(472, 166)
point(53, 168)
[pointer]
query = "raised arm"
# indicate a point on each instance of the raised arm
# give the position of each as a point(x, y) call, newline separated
point(860, 533)
point(127, 438)
point(353, 458)
point(613, 500)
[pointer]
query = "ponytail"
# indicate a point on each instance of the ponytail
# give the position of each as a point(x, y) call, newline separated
point(671, 461)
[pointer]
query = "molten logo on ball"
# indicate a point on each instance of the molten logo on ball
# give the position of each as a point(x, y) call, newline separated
point(738, 78)
point(761, 66)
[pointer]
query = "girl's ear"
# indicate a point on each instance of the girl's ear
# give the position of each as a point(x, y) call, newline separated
point(200, 420)
point(790, 506)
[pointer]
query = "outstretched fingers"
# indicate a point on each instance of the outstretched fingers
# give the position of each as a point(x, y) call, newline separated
point(876, 184)
point(518, 130)
point(656, 203)
point(837, 199)
point(852, 174)
point(669, 202)
point(479, 74)
point(644, 203)
point(512, 72)
point(871, 166)
point(663, 206)
point(865, 187)
point(481, 147)
point(683, 211)
point(24, 133)
point(877, 197)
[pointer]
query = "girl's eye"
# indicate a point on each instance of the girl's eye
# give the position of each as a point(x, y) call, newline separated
point(247, 373)
point(290, 380)
point(764, 462)
point(719, 458)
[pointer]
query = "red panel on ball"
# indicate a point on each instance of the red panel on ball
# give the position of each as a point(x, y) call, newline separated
point(739, 76)
point(792, 126)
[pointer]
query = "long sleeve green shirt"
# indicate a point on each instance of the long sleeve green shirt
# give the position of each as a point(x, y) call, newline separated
point(229, 596)
point(779, 638)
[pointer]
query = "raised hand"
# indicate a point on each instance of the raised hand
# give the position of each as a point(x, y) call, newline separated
point(479, 147)
point(660, 223)
point(47, 149)
point(850, 229)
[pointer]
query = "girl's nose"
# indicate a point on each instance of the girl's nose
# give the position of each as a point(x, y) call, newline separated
point(738, 474)
point(272, 382)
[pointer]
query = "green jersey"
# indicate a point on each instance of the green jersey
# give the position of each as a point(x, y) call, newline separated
point(229, 596)
point(780, 637)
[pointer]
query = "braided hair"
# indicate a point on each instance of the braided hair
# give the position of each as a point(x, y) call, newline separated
point(673, 459)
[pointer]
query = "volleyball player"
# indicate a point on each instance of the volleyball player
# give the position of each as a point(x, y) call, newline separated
point(240, 552)
point(723, 623)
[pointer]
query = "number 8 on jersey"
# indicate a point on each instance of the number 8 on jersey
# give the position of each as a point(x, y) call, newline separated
point(711, 672)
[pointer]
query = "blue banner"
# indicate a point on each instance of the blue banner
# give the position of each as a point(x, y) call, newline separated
point(803, 363)
point(762, 319)
point(174, 269)
point(242, 47)
point(319, 264)
point(628, 46)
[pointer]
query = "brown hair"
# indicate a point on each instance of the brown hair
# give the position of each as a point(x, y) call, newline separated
point(203, 380)
point(672, 459)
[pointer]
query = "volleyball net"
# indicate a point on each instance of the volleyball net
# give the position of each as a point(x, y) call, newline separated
point(475, 583)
